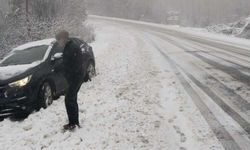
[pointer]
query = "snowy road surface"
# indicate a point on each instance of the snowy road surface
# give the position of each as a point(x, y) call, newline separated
point(158, 88)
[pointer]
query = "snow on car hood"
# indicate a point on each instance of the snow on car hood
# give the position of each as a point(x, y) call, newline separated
point(7, 72)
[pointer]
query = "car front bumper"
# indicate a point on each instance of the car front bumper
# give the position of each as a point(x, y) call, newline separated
point(15, 102)
point(15, 106)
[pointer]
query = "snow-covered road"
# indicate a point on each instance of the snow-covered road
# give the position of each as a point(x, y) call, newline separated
point(158, 88)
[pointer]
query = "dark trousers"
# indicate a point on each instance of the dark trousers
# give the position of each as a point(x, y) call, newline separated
point(71, 104)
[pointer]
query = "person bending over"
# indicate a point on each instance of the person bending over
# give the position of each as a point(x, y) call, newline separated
point(73, 72)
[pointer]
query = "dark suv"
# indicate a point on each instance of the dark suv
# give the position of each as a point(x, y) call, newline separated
point(31, 76)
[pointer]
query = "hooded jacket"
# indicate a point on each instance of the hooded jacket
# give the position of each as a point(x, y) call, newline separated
point(72, 59)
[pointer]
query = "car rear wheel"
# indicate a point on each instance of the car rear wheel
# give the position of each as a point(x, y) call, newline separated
point(45, 95)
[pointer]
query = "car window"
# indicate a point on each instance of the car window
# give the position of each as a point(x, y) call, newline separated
point(26, 56)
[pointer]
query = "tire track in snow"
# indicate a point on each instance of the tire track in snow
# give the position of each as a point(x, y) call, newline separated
point(234, 72)
point(237, 86)
point(221, 51)
point(231, 48)
point(214, 49)
point(202, 49)
point(242, 103)
point(241, 67)
point(219, 130)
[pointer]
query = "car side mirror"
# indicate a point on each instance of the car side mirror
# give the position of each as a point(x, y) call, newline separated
point(56, 56)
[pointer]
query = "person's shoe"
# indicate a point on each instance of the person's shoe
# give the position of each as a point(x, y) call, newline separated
point(69, 127)
point(79, 126)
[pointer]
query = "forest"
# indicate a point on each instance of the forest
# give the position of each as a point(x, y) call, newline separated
point(26, 20)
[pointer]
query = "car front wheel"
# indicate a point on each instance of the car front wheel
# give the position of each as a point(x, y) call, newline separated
point(45, 95)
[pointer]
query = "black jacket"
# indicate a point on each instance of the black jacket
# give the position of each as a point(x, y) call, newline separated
point(72, 59)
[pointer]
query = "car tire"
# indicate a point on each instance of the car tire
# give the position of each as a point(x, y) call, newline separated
point(91, 72)
point(45, 95)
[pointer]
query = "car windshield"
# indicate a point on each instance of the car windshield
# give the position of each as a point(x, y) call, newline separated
point(26, 56)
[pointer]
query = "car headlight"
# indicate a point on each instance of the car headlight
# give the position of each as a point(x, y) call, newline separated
point(21, 83)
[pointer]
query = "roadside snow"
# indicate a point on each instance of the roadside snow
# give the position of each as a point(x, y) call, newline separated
point(239, 28)
point(135, 102)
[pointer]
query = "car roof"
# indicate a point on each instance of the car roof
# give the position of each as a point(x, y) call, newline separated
point(35, 43)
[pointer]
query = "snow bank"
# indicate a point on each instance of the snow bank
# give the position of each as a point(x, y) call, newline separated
point(246, 30)
point(240, 28)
